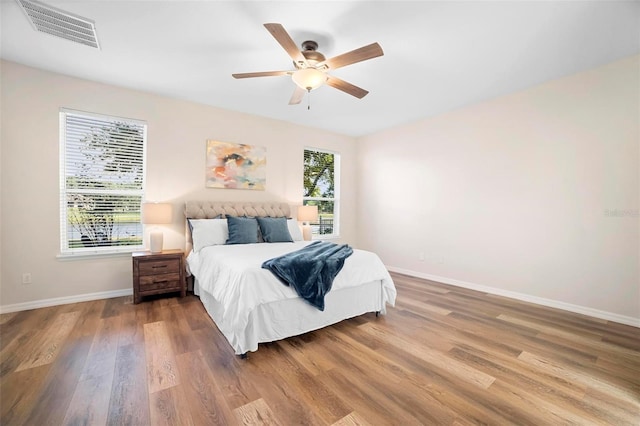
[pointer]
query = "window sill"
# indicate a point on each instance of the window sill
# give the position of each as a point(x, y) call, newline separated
point(65, 257)
point(325, 237)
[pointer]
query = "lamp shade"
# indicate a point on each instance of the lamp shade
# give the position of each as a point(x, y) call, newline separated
point(309, 78)
point(308, 213)
point(156, 213)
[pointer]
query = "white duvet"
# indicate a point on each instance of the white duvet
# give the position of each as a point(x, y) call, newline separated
point(233, 275)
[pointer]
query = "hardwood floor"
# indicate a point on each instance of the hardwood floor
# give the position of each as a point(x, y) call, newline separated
point(443, 355)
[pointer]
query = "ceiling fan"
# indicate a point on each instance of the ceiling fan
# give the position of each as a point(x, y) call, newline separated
point(311, 67)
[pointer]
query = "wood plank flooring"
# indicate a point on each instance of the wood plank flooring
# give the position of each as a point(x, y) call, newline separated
point(444, 356)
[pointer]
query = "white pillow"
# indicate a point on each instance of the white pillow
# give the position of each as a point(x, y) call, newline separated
point(294, 230)
point(208, 232)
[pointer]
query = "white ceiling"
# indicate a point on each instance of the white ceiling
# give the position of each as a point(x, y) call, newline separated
point(439, 55)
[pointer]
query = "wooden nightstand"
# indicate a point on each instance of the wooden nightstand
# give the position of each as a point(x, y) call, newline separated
point(158, 273)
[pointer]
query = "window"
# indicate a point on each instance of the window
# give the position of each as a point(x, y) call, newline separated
point(102, 169)
point(322, 189)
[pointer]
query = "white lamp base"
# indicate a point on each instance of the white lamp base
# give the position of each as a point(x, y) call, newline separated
point(155, 241)
point(306, 231)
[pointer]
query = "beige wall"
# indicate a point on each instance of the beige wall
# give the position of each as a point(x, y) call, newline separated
point(535, 193)
point(177, 134)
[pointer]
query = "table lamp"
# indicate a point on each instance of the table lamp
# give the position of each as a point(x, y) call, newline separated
point(156, 214)
point(306, 215)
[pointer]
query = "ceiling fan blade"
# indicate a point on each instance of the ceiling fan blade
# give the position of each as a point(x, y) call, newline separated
point(280, 34)
point(349, 88)
point(297, 96)
point(370, 51)
point(260, 74)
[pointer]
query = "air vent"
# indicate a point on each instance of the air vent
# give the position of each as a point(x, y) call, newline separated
point(59, 23)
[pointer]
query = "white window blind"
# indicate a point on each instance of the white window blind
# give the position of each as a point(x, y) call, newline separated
point(102, 177)
point(321, 187)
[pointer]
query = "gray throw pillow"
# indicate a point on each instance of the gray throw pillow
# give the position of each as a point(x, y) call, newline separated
point(274, 229)
point(242, 230)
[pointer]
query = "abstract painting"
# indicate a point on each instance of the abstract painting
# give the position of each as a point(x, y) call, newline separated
point(236, 166)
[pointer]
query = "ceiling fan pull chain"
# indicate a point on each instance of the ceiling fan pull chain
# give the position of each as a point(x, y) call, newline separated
point(308, 99)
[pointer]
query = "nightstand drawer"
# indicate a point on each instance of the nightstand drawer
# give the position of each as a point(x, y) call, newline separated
point(159, 282)
point(156, 267)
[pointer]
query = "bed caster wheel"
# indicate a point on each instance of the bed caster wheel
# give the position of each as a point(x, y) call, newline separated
point(243, 356)
point(377, 314)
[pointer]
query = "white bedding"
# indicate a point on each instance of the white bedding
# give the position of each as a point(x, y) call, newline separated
point(232, 275)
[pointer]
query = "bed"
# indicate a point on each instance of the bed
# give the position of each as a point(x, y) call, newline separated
point(248, 303)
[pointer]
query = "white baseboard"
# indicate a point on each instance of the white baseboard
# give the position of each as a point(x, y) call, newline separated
point(44, 303)
point(609, 316)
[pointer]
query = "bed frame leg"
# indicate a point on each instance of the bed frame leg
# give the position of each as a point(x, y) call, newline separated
point(243, 356)
point(377, 314)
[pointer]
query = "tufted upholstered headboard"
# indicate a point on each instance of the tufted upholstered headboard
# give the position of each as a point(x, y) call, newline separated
point(213, 209)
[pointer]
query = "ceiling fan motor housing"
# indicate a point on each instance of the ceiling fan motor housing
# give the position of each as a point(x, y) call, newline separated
point(311, 54)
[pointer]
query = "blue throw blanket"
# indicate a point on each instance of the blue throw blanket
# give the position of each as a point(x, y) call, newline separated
point(311, 270)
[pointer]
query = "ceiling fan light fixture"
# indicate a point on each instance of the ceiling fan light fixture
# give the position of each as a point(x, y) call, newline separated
point(309, 78)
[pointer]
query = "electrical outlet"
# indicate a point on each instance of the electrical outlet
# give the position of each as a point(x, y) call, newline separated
point(26, 278)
